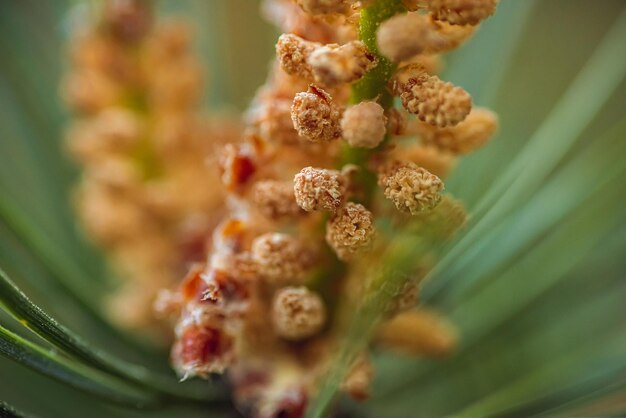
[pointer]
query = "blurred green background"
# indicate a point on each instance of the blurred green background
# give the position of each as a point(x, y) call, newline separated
point(540, 296)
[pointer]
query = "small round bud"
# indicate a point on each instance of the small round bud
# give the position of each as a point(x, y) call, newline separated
point(315, 116)
point(236, 166)
point(433, 101)
point(88, 91)
point(403, 36)
point(119, 173)
point(411, 188)
point(418, 332)
point(128, 20)
point(315, 7)
point(107, 218)
point(396, 121)
point(334, 64)
point(171, 40)
point(445, 37)
point(350, 231)
point(281, 258)
point(463, 138)
point(293, 53)
point(319, 189)
point(112, 131)
point(438, 162)
point(363, 125)
point(276, 199)
point(281, 400)
point(271, 119)
point(443, 221)
point(359, 378)
point(406, 299)
point(200, 350)
point(462, 12)
point(297, 313)
point(176, 85)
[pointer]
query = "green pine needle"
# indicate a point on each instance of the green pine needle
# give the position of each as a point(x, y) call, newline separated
point(52, 364)
point(7, 411)
point(32, 317)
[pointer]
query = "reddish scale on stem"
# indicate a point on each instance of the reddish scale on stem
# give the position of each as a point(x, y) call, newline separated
point(231, 234)
point(244, 168)
point(223, 287)
point(193, 287)
point(236, 167)
point(194, 246)
point(201, 345)
point(292, 404)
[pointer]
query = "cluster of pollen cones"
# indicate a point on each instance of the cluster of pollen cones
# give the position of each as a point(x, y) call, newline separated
point(275, 222)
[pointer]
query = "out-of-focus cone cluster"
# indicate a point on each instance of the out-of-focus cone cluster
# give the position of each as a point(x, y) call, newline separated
point(326, 167)
point(147, 192)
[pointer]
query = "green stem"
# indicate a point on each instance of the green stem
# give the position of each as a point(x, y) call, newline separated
point(374, 82)
point(372, 86)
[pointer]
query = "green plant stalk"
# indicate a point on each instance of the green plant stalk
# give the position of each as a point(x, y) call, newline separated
point(372, 86)
point(401, 253)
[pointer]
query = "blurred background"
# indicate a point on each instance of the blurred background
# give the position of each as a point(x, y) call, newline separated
point(553, 329)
